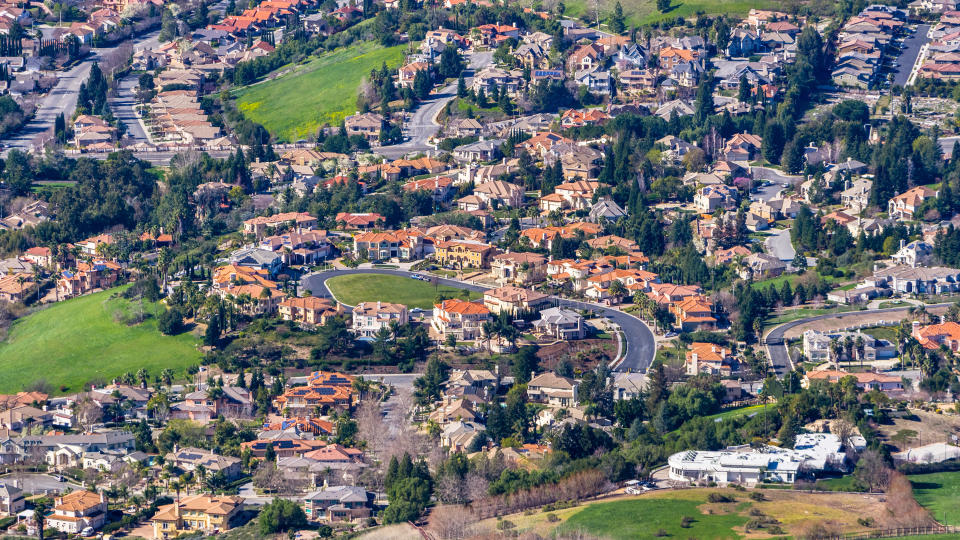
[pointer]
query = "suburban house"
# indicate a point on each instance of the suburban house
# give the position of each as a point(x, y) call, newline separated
point(708, 358)
point(514, 300)
point(336, 504)
point(464, 320)
point(553, 390)
point(905, 204)
point(78, 510)
point(464, 253)
point(196, 513)
point(407, 245)
point(499, 193)
point(11, 499)
point(561, 323)
point(324, 389)
point(693, 314)
point(519, 268)
point(259, 225)
point(189, 459)
point(816, 346)
point(711, 198)
point(866, 381)
point(371, 317)
point(934, 336)
point(367, 125)
point(207, 405)
point(308, 310)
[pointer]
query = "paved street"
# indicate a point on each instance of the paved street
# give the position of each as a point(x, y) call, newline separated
point(909, 53)
point(123, 105)
point(775, 176)
point(640, 341)
point(62, 99)
point(422, 124)
point(38, 483)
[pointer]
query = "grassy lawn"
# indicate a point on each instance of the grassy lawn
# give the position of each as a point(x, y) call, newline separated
point(938, 492)
point(888, 333)
point(844, 483)
point(894, 303)
point(322, 91)
point(356, 288)
point(78, 340)
point(792, 278)
point(741, 411)
point(640, 12)
point(643, 518)
point(803, 313)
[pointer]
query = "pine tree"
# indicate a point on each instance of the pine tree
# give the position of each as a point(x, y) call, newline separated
point(461, 87)
point(617, 20)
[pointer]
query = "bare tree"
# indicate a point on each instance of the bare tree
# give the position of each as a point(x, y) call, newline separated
point(873, 471)
point(451, 522)
point(87, 412)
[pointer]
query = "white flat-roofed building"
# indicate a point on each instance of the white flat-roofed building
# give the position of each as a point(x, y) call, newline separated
point(812, 453)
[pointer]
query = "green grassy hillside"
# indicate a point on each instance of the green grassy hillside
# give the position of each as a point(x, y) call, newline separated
point(640, 12)
point(78, 340)
point(321, 91)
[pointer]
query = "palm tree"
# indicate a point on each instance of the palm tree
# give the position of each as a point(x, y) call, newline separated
point(860, 349)
point(835, 351)
point(848, 347)
point(361, 386)
point(176, 485)
point(201, 476)
point(40, 515)
point(143, 375)
point(167, 377)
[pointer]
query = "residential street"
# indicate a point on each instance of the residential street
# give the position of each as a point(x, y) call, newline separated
point(640, 340)
point(62, 99)
point(422, 124)
point(909, 53)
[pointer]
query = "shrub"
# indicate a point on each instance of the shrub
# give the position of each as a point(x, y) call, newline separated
point(170, 322)
point(866, 522)
point(757, 496)
point(719, 498)
point(505, 524)
point(686, 521)
point(552, 518)
point(661, 533)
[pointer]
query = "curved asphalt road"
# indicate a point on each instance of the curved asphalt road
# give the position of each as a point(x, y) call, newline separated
point(640, 343)
point(777, 349)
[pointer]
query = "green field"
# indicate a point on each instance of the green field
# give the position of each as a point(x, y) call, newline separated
point(641, 12)
point(321, 91)
point(645, 517)
point(78, 340)
point(939, 493)
point(355, 288)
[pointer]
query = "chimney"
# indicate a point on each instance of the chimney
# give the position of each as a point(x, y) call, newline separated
point(915, 326)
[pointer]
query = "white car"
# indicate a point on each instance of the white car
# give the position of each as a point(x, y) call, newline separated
point(87, 532)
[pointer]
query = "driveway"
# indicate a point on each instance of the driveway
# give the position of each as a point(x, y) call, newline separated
point(779, 245)
point(640, 343)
